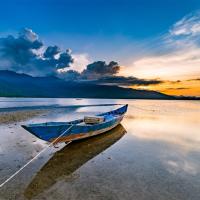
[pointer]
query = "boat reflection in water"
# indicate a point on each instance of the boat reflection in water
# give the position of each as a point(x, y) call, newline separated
point(70, 158)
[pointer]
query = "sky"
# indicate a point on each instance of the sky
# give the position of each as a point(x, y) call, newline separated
point(149, 39)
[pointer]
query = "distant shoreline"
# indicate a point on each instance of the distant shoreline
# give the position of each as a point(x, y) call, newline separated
point(48, 107)
point(53, 97)
point(20, 85)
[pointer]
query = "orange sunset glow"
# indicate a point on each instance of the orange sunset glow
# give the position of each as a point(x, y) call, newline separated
point(185, 87)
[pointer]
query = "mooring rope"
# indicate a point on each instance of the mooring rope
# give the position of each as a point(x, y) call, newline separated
point(30, 161)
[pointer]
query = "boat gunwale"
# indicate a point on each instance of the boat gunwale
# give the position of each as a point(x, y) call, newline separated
point(49, 124)
point(70, 123)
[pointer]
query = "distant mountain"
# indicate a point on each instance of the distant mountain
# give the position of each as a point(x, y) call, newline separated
point(22, 85)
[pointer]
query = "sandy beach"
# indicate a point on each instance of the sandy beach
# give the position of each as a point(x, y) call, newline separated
point(17, 116)
point(153, 154)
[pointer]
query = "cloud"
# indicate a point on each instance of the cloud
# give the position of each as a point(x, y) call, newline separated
point(93, 71)
point(24, 54)
point(181, 58)
point(175, 65)
point(64, 60)
point(128, 81)
point(184, 34)
point(187, 26)
point(179, 88)
point(105, 74)
point(80, 61)
point(194, 79)
point(70, 75)
point(99, 69)
point(20, 50)
point(51, 51)
point(95, 75)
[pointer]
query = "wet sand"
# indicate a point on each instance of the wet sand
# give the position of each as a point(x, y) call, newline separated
point(155, 154)
point(17, 116)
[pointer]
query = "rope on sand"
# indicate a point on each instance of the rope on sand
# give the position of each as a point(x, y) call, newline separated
point(30, 161)
point(52, 143)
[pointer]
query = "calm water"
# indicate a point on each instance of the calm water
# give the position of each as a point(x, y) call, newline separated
point(154, 154)
point(30, 102)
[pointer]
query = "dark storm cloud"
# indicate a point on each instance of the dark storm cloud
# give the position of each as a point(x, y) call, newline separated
point(26, 53)
point(174, 82)
point(99, 69)
point(179, 88)
point(20, 50)
point(101, 73)
point(65, 59)
point(70, 75)
point(195, 79)
point(51, 51)
point(128, 81)
point(182, 88)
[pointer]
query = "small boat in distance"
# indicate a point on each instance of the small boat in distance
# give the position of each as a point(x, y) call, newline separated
point(78, 129)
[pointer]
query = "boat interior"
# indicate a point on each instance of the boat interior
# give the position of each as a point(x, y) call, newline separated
point(108, 116)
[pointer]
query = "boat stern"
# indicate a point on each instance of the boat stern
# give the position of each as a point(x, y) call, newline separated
point(46, 131)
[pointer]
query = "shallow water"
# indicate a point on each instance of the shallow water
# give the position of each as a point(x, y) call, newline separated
point(157, 158)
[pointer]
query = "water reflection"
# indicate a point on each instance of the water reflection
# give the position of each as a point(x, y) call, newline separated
point(70, 158)
point(172, 127)
point(158, 158)
point(29, 102)
point(175, 124)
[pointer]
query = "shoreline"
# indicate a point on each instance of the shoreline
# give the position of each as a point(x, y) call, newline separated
point(179, 98)
point(16, 116)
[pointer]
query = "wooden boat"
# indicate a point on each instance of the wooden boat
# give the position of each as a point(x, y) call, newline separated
point(67, 160)
point(77, 129)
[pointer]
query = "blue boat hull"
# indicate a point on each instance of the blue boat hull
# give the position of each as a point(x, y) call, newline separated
point(52, 130)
